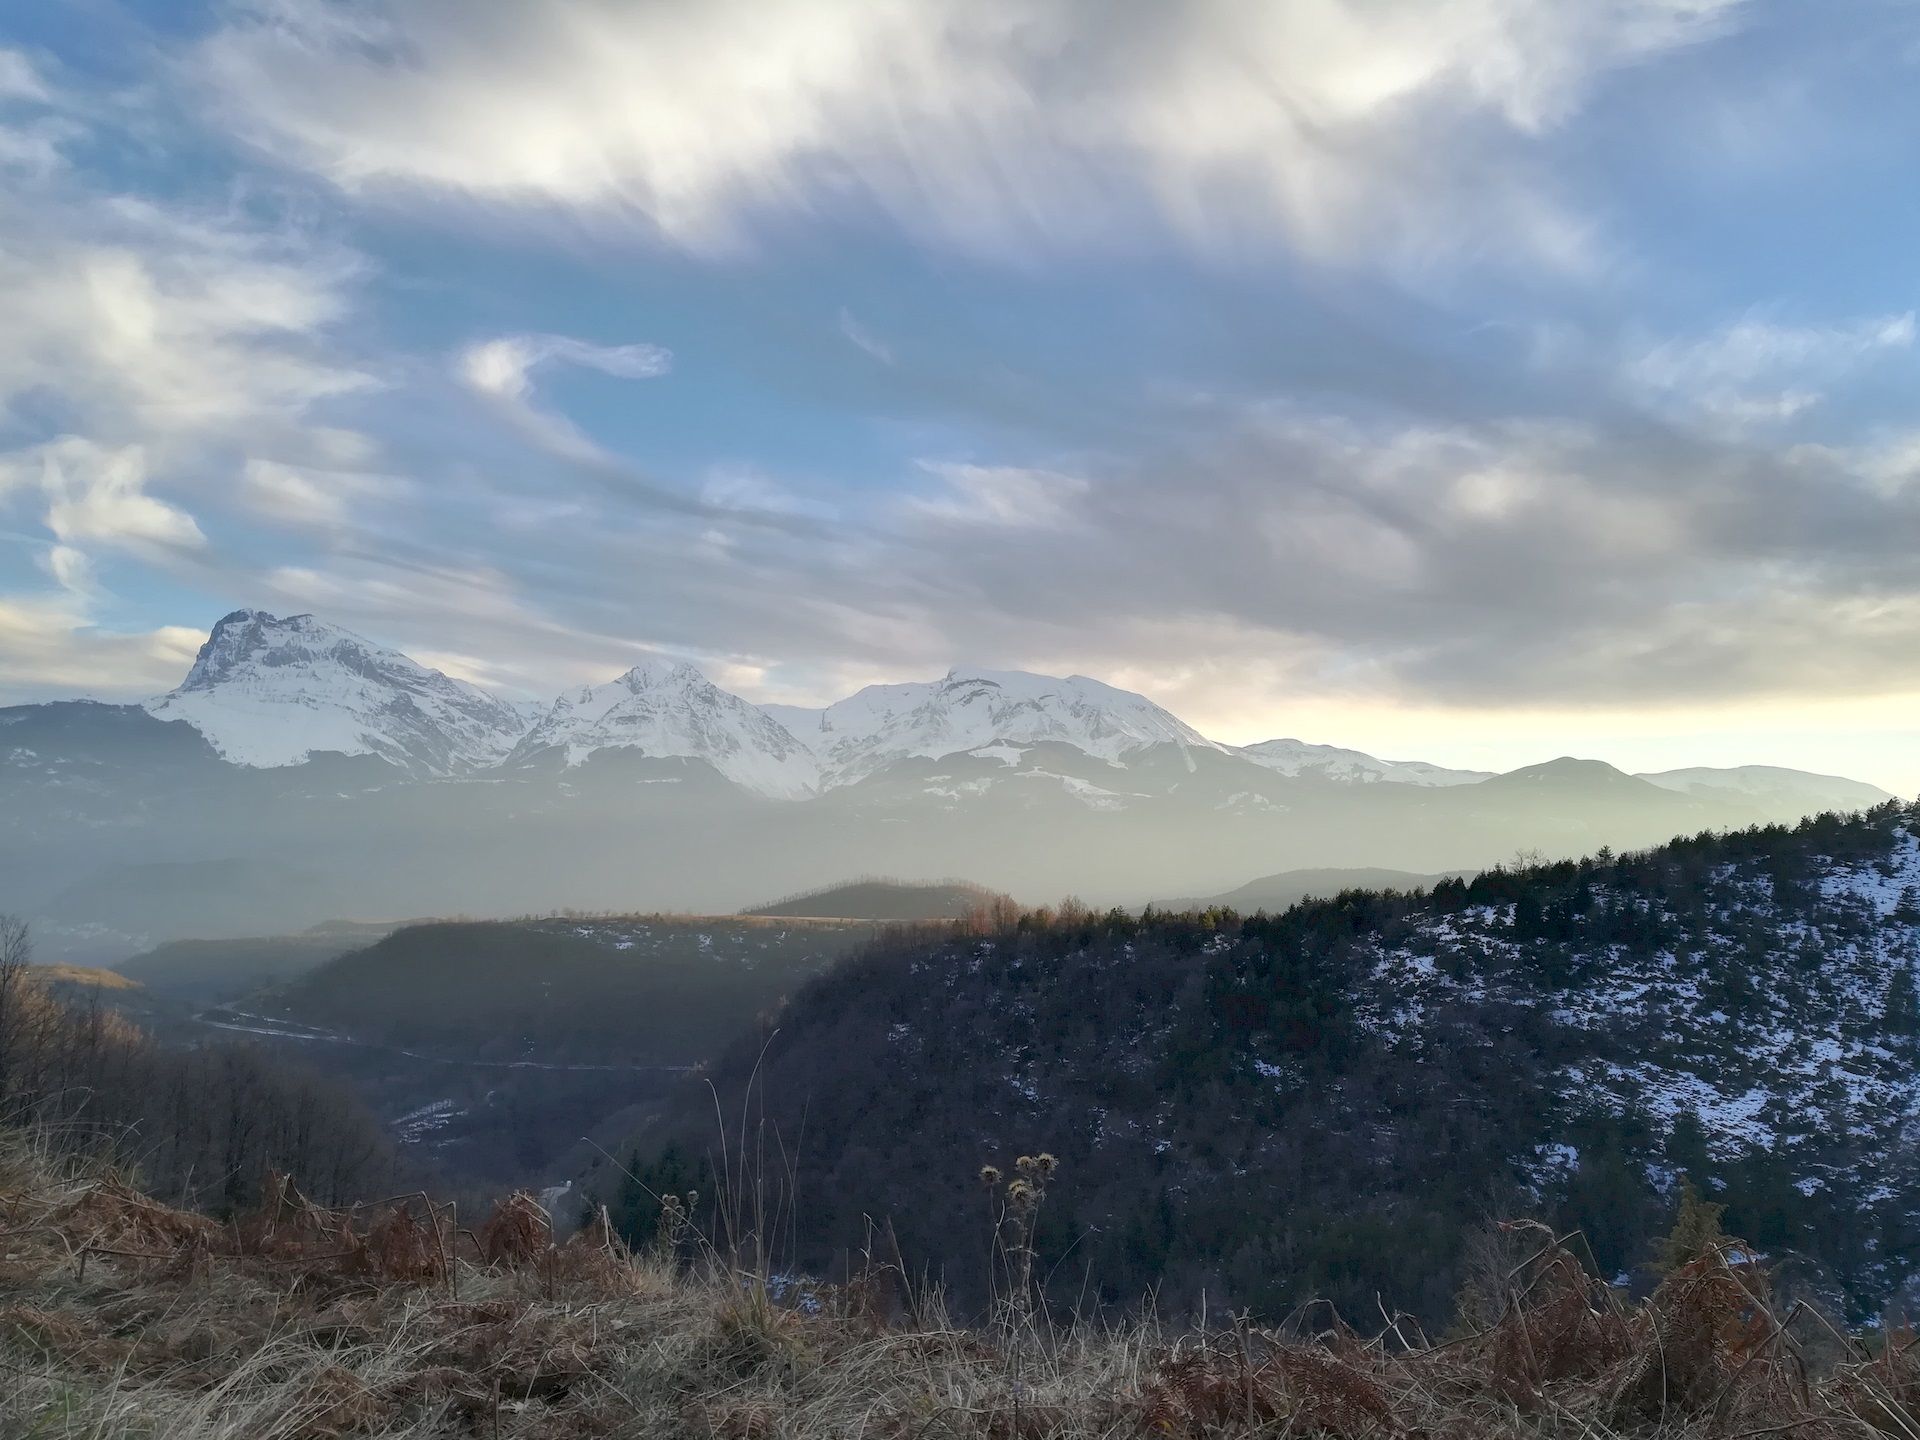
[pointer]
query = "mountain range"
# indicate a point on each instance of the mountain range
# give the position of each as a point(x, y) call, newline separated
point(268, 692)
point(300, 773)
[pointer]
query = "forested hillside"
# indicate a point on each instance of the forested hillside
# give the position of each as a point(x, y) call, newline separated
point(636, 990)
point(200, 1126)
point(1330, 1101)
point(210, 971)
point(493, 1047)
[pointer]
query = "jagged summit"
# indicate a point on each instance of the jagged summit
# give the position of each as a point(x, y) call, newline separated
point(268, 691)
point(669, 709)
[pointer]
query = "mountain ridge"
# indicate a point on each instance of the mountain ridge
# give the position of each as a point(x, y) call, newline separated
point(122, 826)
point(271, 692)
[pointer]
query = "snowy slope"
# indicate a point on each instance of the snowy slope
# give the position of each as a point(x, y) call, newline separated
point(969, 709)
point(267, 691)
point(1330, 762)
point(671, 710)
point(1771, 782)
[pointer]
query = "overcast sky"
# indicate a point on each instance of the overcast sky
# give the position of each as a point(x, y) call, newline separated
point(1475, 380)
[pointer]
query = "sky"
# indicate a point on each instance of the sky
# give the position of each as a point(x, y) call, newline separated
point(1471, 380)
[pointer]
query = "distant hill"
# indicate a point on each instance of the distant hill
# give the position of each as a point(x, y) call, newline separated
point(209, 971)
point(1275, 893)
point(880, 899)
point(492, 1047)
point(644, 990)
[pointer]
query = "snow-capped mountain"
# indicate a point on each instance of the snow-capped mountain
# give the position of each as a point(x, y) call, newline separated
point(1038, 785)
point(268, 691)
point(667, 710)
point(1353, 767)
point(1772, 783)
point(969, 710)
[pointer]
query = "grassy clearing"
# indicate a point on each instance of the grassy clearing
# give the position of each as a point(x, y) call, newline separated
point(121, 1317)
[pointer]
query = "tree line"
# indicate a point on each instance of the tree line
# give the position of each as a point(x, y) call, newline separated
point(198, 1127)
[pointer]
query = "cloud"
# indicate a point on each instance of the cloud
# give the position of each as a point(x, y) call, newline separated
point(1290, 488)
point(1346, 128)
point(502, 371)
point(147, 323)
point(34, 131)
point(158, 322)
point(98, 494)
point(50, 647)
point(311, 497)
point(1756, 371)
point(71, 570)
point(863, 338)
point(745, 490)
point(503, 368)
point(20, 78)
point(1504, 562)
point(999, 495)
point(153, 346)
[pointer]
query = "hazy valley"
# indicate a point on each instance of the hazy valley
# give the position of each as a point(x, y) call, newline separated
point(1446, 1040)
point(301, 775)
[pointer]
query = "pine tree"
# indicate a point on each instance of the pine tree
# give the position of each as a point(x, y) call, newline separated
point(1696, 1231)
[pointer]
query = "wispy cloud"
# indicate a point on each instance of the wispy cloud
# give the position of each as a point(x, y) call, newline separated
point(50, 646)
point(1757, 370)
point(99, 495)
point(1348, 129)
point(864, 338)
point(150, 343)
point(502, 370)
point(1006, 496)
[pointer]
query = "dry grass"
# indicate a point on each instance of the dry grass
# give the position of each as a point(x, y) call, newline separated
point(119, 1317)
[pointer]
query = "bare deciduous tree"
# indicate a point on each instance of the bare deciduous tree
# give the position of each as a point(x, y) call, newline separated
point(16, 953)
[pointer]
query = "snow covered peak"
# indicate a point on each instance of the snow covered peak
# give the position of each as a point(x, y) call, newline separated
point(969, 708)
point(670, 710)
point(269, 691)
point(1353, 767)
point(233, 638)
point(659, 674)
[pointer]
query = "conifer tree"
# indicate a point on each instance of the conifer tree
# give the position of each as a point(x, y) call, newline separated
point(1696, 1231)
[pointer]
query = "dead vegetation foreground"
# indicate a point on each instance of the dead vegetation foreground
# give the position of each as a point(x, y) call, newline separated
point(121, 1317)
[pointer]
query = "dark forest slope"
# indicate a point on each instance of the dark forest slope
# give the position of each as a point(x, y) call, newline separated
point(1327, 1101)
point(653, 990)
